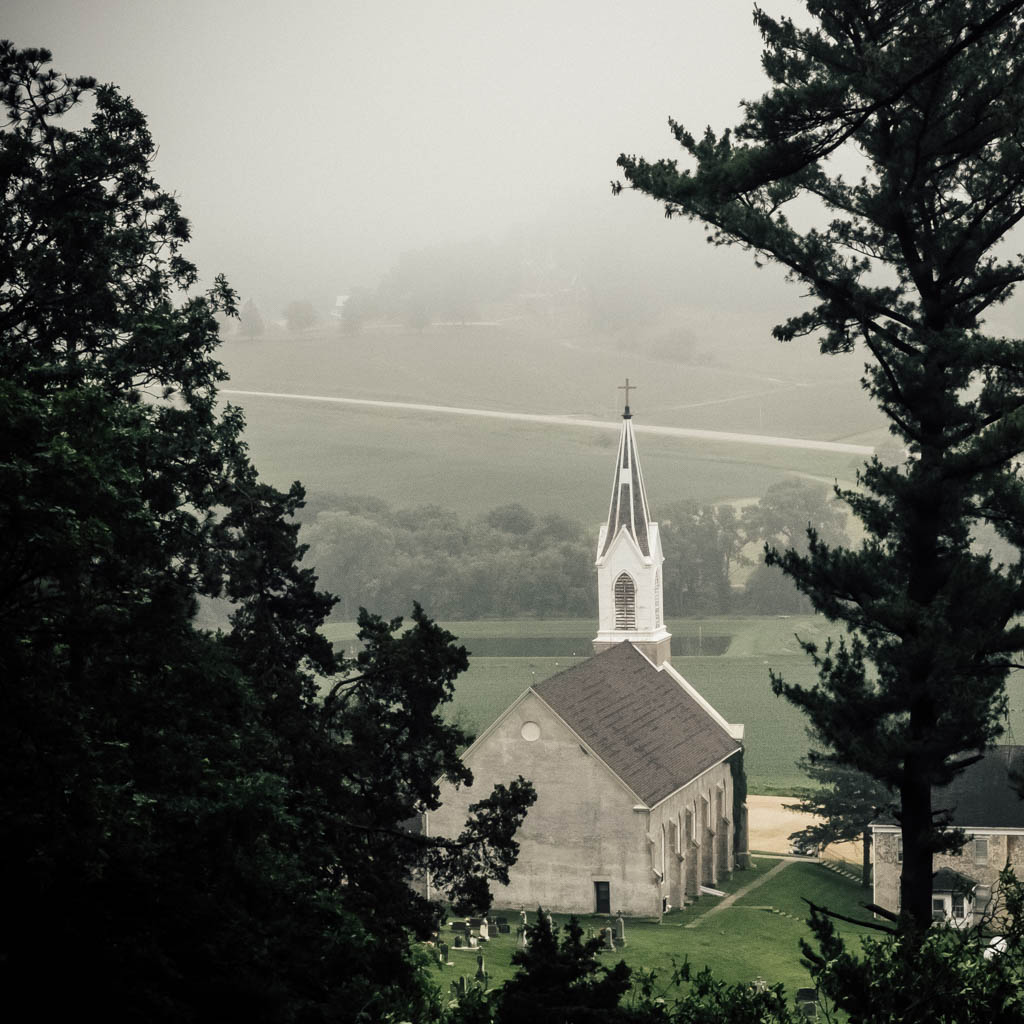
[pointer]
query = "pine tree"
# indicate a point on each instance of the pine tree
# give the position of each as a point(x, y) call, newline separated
point(190, 832)
point(926, 100)
point(845, 801)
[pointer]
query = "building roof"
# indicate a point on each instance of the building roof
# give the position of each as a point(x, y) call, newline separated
point(639, 720)
point(948, 880)
point(628, 507)
point(983, 795)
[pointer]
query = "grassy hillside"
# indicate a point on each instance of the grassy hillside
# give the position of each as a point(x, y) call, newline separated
point(409, 458)
point(735, 682)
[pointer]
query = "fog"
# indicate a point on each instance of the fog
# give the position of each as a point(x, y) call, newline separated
point(311, 143)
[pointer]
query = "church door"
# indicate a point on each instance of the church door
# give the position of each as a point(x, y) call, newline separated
point(602, 898)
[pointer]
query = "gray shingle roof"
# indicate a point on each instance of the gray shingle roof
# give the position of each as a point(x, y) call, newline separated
point(948, 880)
point(638, 720)
point(983, 795)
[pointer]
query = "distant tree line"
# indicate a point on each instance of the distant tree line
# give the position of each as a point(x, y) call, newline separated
point(510, 561)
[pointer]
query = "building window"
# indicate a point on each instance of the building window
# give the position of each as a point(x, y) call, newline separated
point(958, 905)
point(602, 897)
point(625, 602)
point(938, 908)
point(980, 851)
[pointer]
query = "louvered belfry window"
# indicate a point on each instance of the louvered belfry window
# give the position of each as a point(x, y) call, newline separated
point(625, 602)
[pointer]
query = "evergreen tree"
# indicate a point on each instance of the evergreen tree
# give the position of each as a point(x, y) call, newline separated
point(925, 101)
point(190, 831)
point(846, 801)
point(250, 320)
point(559, 981)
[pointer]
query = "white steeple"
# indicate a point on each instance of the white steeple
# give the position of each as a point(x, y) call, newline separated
point(629, 560)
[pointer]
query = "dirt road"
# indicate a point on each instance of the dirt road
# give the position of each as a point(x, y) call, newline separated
point(770, 824)
point(573, 421)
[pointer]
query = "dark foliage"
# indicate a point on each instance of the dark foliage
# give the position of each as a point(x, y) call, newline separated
point(925, 99)
point(190, 832)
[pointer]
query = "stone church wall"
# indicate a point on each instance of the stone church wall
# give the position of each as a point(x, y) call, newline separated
point(584, 828)
point(692, 838)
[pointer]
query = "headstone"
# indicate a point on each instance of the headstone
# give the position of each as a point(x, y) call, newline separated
point(481, 972)
point(620, 930)
point(472, 942)
point(443, 947)
point(458, 941)
point(609, 940)
point(522, 917)
point(521, 940)
point(485, 932)
point(459, 986)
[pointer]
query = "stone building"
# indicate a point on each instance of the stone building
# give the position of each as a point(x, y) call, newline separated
point(635, 771)
point(984, 802)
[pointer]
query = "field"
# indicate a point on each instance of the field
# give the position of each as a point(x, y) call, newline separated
point(409, 457)
point(736, 682)
point(757, 936)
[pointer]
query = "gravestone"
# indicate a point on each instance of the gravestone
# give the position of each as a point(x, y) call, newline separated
point(481, 972)
point(620, 930)
point(609, 940)
point(521, 940)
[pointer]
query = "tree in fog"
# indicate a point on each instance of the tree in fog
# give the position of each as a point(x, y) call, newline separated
point(904, 124)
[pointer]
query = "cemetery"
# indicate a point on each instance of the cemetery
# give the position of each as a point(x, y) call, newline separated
point(755, 937)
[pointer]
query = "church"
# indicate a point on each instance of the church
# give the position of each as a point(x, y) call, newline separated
point(636, 774)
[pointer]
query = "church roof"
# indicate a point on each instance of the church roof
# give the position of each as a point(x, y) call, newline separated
point(628, 506)
point(639, 720)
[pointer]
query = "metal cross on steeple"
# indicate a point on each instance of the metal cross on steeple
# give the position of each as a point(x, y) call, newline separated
point(627, 387)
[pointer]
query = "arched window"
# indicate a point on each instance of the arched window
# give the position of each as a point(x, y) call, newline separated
point(625, 602)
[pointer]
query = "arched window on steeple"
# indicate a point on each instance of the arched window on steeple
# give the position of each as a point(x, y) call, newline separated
point(625, 602)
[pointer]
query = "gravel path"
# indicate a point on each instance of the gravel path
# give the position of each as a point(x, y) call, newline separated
point(729, 900)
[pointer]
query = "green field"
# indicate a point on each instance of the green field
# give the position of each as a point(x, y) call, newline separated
point(409, 458)
point(736, 682)
point(758, 936)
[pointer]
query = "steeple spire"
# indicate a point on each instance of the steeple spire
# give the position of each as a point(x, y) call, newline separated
point(629, 558)
point(628, 507)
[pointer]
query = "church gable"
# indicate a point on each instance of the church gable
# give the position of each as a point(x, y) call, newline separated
point(646, 727)
point(532, 739)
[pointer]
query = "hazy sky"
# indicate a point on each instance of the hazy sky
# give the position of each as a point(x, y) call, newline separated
point(311, 142)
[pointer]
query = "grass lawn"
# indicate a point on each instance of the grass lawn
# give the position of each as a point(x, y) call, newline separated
point(735, 682)
point(758, 935)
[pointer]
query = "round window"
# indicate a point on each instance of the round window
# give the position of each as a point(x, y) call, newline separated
point(530, 731)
